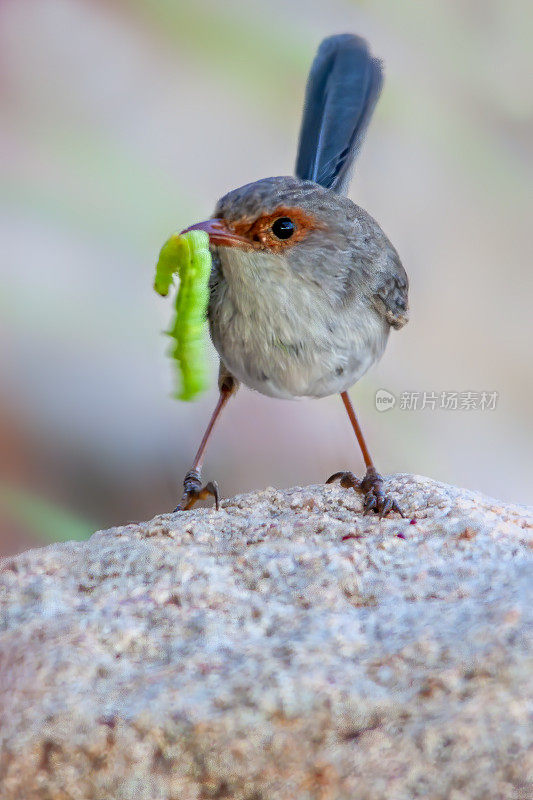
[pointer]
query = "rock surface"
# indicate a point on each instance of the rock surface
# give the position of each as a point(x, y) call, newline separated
point(283, 647)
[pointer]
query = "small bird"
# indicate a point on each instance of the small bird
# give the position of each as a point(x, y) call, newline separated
point(305, 286)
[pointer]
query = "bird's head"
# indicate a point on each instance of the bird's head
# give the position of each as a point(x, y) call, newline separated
point(283, 220)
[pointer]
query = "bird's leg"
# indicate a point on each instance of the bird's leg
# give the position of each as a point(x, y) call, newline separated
point(372, 484)
point(192, 485)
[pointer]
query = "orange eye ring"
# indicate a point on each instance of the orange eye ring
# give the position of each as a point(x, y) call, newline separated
point(261, 233)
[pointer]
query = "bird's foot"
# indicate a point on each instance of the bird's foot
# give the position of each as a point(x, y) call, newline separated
point(193, 491)
point(374, 499)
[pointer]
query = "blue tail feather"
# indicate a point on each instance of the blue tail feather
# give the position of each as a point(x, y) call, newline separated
point(342, 90)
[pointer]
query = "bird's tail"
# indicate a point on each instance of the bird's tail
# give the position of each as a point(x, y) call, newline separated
point(342, 90)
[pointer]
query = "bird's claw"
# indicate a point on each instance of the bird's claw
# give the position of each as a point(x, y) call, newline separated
point(374, 499)
point(347, 480)
point(194, 491)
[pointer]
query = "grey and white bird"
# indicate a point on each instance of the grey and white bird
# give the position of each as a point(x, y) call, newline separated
point(305, 286)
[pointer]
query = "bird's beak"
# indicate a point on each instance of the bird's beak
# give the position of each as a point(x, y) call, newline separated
point(219, 233)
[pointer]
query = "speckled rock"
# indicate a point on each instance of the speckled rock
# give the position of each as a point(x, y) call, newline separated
point(283, 647)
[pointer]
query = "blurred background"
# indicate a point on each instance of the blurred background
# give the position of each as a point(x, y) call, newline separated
point(124, 120)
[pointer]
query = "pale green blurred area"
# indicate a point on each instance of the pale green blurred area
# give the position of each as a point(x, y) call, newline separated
point(123, 121)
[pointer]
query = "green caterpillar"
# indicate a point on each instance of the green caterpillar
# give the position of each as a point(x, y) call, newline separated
point(187, 255)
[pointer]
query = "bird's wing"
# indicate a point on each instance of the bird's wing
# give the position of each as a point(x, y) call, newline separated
point(342, 90)
point(389, 295)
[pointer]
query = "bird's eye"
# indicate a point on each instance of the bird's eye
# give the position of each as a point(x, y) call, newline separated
point(283, 228)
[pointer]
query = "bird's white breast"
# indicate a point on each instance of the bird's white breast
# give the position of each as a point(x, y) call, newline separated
point(279, 333)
